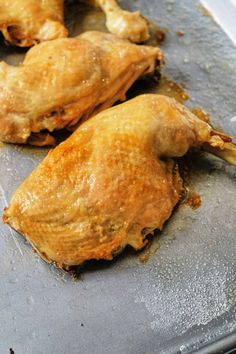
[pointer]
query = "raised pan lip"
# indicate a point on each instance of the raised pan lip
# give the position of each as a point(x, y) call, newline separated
point(224, 13)
point(223, 345)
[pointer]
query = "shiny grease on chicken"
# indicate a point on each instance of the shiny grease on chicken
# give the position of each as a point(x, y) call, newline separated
point(112, 182)
point(65, 80)
point(27, 22)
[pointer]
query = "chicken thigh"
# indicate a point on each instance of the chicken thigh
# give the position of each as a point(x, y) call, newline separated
point(112, 182)
point(27, 22)
point(65, 80)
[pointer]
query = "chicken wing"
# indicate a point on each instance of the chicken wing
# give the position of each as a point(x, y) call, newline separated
point(65, 80)
point(27, 22)
point(112, 182)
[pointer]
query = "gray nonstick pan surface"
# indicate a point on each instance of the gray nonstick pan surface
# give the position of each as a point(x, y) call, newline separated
point(184, 297)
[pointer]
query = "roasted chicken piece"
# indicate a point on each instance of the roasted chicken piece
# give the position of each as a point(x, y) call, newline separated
point(27, 22)
point(112, 182)
point(125, 24)
point(65, 80)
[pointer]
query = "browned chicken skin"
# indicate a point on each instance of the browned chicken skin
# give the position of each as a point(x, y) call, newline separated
point(65, 80)
point(27, 22)
point(112, 182)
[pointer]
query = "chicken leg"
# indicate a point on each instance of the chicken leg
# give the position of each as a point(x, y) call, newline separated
point(124, 24)
point(112, 182)
point(65, 80)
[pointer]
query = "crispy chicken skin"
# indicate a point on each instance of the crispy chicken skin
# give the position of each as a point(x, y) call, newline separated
point(65, 80)
point(27, 22)
point(111, 183)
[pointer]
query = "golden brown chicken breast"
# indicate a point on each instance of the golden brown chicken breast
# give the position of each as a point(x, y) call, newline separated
point(65, 80)
point(112, 182)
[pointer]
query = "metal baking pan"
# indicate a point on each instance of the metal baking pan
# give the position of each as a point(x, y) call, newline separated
point(183, 299)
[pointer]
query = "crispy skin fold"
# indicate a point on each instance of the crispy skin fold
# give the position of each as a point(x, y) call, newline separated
point(65, 80)
point(111, 183)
